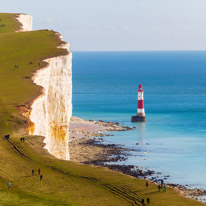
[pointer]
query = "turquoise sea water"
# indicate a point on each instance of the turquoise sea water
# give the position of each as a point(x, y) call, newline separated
point(173, 140)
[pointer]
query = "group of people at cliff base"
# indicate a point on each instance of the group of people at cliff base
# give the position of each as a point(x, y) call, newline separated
point(160, 186)
point(39, 172)
point(148, 201)
point(40, 176)
point(163, 187)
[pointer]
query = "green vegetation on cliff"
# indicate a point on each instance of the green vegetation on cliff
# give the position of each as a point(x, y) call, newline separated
point(17, 50)
point(64, 182)
point(8, 23)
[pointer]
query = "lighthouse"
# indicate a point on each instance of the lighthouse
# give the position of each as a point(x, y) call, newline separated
point(140, 117)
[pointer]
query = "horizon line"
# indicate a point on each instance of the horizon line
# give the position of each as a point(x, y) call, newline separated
point(140, 51)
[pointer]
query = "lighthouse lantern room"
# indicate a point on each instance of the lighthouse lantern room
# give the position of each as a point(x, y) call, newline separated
point(140, 117)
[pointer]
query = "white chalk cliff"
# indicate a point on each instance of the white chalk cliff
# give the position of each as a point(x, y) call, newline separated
point(51, 111)
point(25, 21)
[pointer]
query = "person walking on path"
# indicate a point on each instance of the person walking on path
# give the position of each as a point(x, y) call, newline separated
point(159, 187)
point(147, 184)
point(39, 171)
point(9, 185)
point(143, 201)
point(148, 200)
point(164, 189)
point(41, 176)
point(32, 172)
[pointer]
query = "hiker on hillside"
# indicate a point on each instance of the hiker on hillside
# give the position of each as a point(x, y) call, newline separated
point(39, 171)
point(161, 182)
point(159, 187)
point(148, 200)
point(164, 188)
point(143, 201)
point(23, 139)
point(41, 176)
point(9, 185)
point(32, 172)
point(147, 184)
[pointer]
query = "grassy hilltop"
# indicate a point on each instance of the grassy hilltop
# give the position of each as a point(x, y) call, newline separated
point(64, 182)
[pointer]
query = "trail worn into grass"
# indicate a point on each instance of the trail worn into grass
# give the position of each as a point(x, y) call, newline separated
point(125, 194)
point(131, 197)
point(16, 148)
point(81, 184)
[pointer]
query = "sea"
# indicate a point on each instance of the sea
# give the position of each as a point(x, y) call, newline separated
point(172, 141)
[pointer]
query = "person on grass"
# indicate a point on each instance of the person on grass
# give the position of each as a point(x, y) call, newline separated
point(148, 200)
point(147, 184)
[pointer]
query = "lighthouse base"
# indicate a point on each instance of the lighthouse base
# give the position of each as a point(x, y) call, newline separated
point(138, 119)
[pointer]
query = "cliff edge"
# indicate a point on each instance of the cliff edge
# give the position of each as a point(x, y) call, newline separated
point(25, 21)
point(51, 112)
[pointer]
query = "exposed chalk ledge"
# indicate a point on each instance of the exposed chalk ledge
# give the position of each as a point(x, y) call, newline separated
point(25, 21)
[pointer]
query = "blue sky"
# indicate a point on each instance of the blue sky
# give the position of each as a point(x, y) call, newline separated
point(120, 25)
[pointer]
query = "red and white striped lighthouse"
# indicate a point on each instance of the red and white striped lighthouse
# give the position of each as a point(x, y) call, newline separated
point(140, 106)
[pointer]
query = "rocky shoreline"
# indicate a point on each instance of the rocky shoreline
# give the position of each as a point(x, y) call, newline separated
point(88, 147)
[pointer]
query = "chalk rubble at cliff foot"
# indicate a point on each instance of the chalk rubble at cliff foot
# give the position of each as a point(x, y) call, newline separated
point(51, 111)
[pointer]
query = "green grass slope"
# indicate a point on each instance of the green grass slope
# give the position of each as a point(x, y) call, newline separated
point(8, 23)
point(64, 182)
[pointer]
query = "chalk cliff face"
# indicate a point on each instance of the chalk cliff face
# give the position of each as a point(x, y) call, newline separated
point(51, 111)
point(26, 22)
